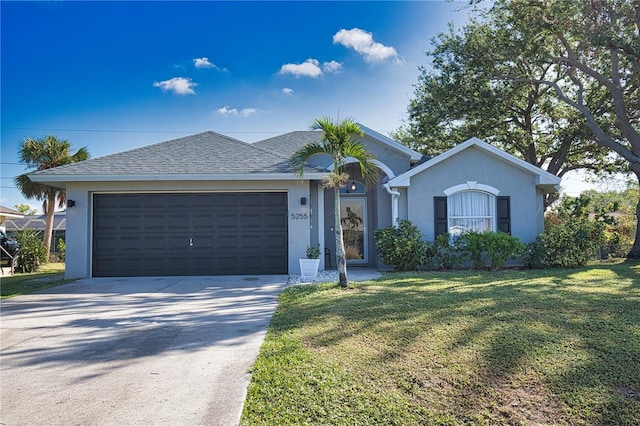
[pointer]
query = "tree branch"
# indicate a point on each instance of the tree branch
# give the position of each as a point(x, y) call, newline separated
point(602, 137)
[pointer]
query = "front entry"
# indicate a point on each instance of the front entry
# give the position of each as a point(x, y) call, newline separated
point(353, 218)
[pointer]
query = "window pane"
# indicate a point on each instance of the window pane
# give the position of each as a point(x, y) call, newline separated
point(471, 211)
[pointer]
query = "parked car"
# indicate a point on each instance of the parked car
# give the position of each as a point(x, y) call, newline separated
point(10, 247)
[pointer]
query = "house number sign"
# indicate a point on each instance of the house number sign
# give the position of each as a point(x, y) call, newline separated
point(299, 215)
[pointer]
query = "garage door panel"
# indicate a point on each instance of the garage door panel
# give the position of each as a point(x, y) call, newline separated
point(150, 234)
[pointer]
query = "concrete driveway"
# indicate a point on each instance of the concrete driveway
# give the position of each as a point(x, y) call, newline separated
point(145, 351)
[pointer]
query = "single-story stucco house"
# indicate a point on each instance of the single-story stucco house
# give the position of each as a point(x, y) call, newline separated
point(208, 204)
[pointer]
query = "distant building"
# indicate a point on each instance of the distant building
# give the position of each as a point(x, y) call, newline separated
point(7, 213)
point(14, 224)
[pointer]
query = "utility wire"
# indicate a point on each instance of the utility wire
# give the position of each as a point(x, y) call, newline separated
point(127, 131)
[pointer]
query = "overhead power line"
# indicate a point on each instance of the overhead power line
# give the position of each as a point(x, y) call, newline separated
point(130, 131)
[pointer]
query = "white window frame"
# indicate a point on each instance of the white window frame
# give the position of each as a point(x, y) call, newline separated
point(468, 187)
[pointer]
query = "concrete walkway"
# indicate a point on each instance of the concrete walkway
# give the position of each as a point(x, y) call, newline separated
point(133, 351)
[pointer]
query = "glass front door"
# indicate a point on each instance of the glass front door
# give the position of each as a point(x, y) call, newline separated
point(353, 218)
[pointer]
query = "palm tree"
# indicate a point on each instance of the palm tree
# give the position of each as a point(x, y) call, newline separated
point(340, 143)
point(46, 153)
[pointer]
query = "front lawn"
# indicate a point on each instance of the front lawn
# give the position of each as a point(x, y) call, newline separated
point(48, 275)
point(559, 346)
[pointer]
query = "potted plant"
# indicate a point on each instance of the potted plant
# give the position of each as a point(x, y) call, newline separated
point(309, 266)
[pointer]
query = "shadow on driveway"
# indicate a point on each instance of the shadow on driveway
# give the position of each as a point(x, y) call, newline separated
point(160, 350)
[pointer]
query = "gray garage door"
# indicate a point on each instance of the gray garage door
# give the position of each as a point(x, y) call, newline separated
point(189, 234)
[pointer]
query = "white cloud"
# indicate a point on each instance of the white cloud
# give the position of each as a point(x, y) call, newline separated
point(309, 68)
point(202, 63)
point(333, 66)
point(178, 85)
point(362, 42)
point(287, 91)
point(227, 110)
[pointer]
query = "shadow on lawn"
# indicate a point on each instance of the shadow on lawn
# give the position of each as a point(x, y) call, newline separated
point(520, 337)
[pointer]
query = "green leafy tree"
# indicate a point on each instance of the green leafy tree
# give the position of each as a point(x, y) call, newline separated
point(25, 209)
point(46, 153)
point(593, 51)
point(339, 141)
point(461, 95)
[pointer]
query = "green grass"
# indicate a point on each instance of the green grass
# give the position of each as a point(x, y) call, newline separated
point(48, 275)
point(558, 346)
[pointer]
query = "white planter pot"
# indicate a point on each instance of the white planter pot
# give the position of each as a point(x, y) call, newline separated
point(309, 267)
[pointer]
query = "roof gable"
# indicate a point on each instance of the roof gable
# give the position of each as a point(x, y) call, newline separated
point(7, 212)
point(543, 178)
point(413, 155)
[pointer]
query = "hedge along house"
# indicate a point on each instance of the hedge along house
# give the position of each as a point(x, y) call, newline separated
point(208, 204)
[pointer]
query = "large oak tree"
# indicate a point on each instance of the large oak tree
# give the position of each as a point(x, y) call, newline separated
point(554, 81)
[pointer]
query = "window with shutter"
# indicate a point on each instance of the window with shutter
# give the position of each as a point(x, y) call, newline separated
point(440, 215)
point(471, 211)
point(504, 214)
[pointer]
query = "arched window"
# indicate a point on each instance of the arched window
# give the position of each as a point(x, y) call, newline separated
point(471, 211)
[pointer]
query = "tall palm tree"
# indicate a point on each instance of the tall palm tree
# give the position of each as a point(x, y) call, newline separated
point(46, 153)
point(340, 142)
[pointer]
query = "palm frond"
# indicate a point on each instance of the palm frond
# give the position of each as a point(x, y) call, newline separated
point(300, 157)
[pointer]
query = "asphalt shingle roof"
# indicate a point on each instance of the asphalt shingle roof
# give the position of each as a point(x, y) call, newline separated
point(200, 154)
point(287, 144)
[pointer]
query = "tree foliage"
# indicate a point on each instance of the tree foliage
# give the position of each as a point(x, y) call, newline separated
point(45, 153)
point(25, 209)
point(556, 81)
point(459, 96)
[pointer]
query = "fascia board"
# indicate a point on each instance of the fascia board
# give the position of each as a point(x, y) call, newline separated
point(542, 176)
point(173, 177)
point(415, 156)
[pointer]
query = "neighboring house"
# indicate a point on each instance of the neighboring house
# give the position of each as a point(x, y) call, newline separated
point(208, 204)
point(7, 213)
point(37, 223)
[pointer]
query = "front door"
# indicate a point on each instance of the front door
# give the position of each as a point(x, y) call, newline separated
point(353, 218)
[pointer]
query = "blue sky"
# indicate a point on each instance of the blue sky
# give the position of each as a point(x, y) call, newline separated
point(113, 76)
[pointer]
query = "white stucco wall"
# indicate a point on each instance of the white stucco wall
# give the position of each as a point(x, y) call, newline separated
point(79, 217)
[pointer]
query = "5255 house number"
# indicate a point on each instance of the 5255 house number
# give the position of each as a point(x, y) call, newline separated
point(299, 215)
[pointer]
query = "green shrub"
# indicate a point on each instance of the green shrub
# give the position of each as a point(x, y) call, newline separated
point(474, 243)
point(402, 246)
point(500, 246)
point(533, 254)
point(572, 243)
point(62, 250)
point(32, 252)
point(443, 254)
